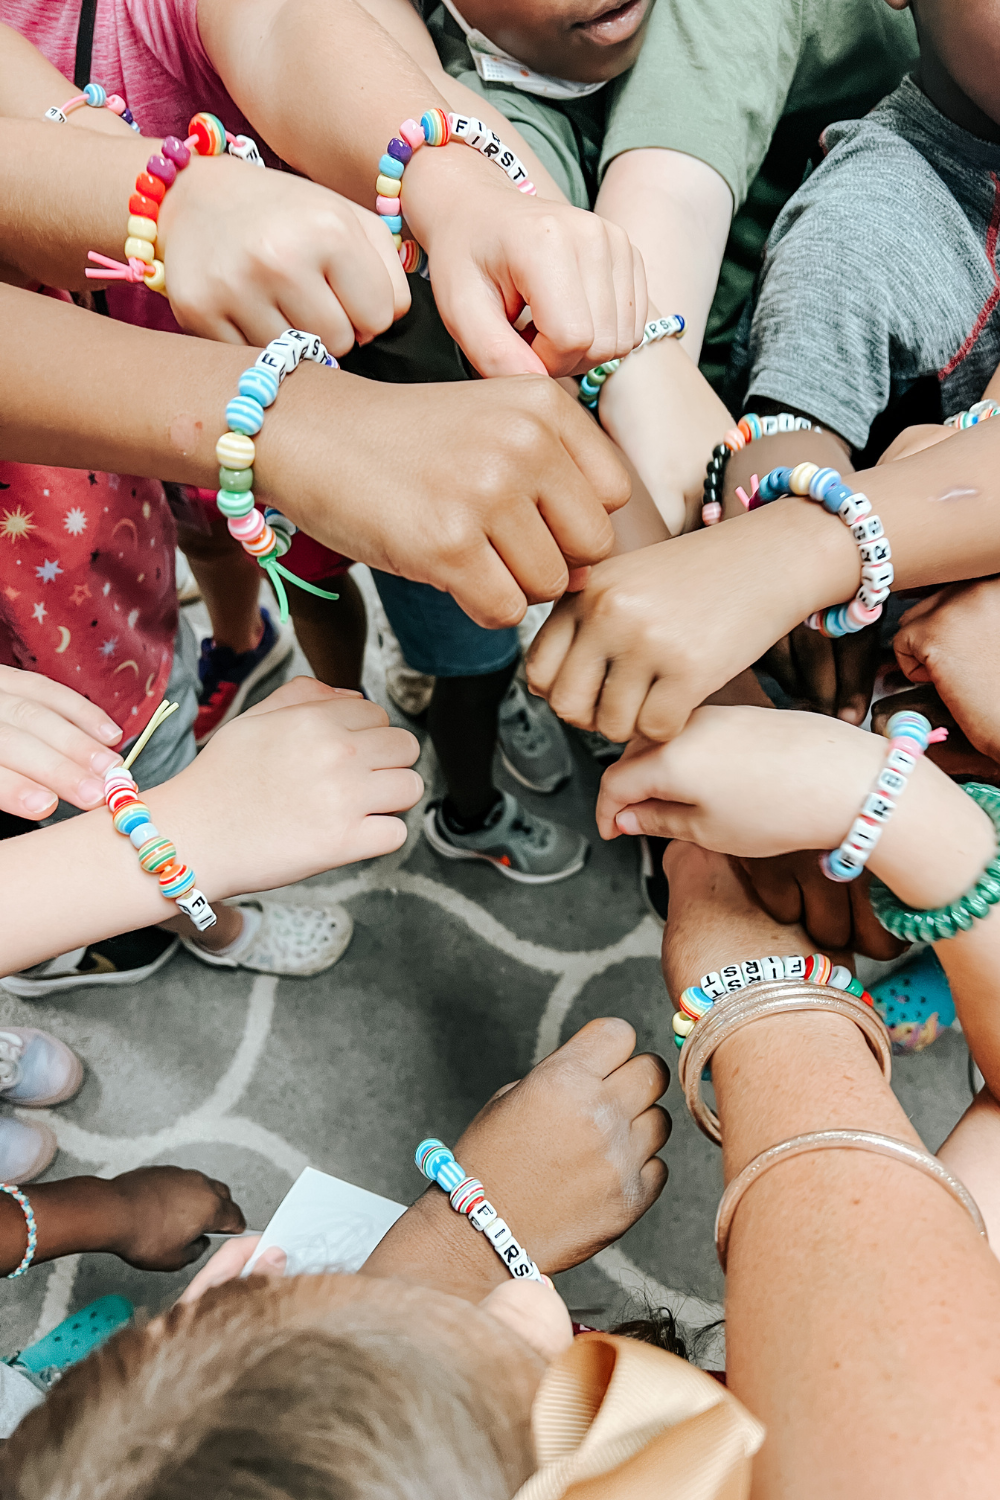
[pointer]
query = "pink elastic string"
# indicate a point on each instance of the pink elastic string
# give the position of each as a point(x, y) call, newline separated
point(135, 270)
point(937, 736)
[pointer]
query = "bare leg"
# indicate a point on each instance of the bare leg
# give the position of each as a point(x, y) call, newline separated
point(229, 580)
point(332, 632)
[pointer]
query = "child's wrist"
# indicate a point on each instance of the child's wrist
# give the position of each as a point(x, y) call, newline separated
point(936, 844)
point(437, 185)
point(813, 558)
point(432, 1244)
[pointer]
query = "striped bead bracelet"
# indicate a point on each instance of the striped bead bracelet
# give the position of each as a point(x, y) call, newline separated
point(698, 999)
point(468, 1196)
point(98, 98)
point(654, 331)
point(748, 429)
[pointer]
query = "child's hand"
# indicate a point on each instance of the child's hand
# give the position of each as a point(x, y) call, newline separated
point(792, 888)
point(252, 252)
point(53, 743)
point(158, 1217)
point(952, 639)
point(227, 1264)
point(492, 251)
point(301, 783)
point(828, 676)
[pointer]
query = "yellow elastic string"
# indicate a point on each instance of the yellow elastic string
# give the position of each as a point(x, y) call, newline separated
point(163, 712)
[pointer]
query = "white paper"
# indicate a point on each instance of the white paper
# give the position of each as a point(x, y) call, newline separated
point(324, 1224)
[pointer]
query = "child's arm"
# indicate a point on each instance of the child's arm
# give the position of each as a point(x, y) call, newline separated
point(654, 633)
point(29, 85)
point(305, 734)
point(484, 491)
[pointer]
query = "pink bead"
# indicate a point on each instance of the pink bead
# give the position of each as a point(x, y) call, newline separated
point(245, 528)
point(528, 188)
point(388, 206)
point(711, 513)
point(413, 133)
point(734, 440)
point(861, 615)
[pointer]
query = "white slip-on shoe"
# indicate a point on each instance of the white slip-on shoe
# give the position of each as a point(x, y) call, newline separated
point(27, 1147)
point(36, 1068)
point(282, 939)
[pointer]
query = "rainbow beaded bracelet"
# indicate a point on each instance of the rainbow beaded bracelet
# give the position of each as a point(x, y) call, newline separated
point(980, 411)
point(659, 328)
point(748, 429)
point(98, 98)
point(29, 1218)
point(266, 537)
point(468, 1196)
point(435, 128)
point(698, 999)
point(207, 136)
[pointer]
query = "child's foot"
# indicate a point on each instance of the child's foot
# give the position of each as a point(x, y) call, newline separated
point(36, 1069)
point(126, 959)
point(279, 939)
point(519, 844)
point(915, 1002)
point(26, 1149)
point(532, 744)
point(227, 676)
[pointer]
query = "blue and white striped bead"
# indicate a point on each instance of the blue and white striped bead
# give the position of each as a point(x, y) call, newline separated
point(260, 384)
point(244, 414)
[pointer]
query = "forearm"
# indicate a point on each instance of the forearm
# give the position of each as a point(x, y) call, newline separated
point(29, 85)
point(432, 1245)
point(972, 1152)
point(73, 1215)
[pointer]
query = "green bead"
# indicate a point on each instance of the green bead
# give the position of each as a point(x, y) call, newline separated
point(282, 541)
point(961, 916)
point(855, 987)
point(235, 479)
point(975, 903)
point(989, 888)
point(235, 503)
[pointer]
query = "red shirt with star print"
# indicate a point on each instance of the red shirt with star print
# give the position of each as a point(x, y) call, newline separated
point(87, 591)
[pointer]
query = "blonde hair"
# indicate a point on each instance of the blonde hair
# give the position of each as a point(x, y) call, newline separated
point(260, 1393)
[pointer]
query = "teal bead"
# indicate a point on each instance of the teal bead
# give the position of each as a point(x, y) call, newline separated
point(392, 222)
point(389, 167)
point(236, 479)
point(235, 503)
point(855, 987)
point(975, 903)
point(961, 916)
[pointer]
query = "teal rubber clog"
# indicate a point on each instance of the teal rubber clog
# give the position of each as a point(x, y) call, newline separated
point(915, 1003)
point(75, 1337)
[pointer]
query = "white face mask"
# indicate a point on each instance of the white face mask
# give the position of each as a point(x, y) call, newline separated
point(494, 65)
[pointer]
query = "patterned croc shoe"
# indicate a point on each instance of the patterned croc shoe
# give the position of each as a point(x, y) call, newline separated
point(915, 1003)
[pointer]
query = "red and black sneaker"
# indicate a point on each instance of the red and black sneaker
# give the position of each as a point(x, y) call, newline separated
point(227, 676)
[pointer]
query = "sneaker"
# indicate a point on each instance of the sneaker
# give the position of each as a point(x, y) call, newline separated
point(37, 1069)
point(409, 689)
point(227, 676)
point(532, 745)
point(26, 1149)
point(604, 751)
point(652, 881)
point(915, 1002)
point(127, 959)
point(519, 845)
point(278, 939)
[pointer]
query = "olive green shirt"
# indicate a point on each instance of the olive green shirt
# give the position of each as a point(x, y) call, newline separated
point(744, 85)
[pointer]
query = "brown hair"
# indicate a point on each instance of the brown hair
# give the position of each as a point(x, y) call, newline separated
point(261, 1392)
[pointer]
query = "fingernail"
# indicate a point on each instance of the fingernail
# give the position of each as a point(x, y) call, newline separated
point(102, 759)
point(109, 732)
point(90, 792)
point(628, 822)
point(37, 802)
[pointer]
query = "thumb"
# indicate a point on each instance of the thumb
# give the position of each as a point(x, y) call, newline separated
point(662, 820)
point(472, 309)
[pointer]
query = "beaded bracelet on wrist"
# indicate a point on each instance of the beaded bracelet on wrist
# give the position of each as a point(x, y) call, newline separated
point(207, 136)
point(98, 98)
point(29, 1219)
point(981, 411)
point(747, 430)
point(659, 328)
point(435, 128)
point(698, 999)
point(468, 1196)
point(911, 925)
point(909, 734)
point(266, 537)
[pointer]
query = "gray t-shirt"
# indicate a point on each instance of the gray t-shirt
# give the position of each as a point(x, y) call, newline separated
point(879, 271)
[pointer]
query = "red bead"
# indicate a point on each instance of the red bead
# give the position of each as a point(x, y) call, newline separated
point(150, 187)
point(146, 208)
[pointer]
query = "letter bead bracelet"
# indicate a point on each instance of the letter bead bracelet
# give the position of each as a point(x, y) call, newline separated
point(747, 430)
point(207, 136)
point(32, 1228)
point(855, 510)
point(468, 1196)
point(698, 999)
point(982, 411)
point(659, 328)
point(97, 98)
point(435, 128)
point(909, 734)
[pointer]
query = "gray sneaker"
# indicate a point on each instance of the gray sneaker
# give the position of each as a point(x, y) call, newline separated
point(525, 848)
point(604, 751)
point(532, 744)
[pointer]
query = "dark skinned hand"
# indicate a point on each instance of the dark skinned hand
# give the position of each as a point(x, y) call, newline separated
point(792, 888)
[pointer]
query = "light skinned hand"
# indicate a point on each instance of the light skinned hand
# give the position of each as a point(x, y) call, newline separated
point(492, 251)
point(227, 1264)
point(915, 439)
point(254, 251)
point(53, 743)
point(159, 1217)
point(951, 638)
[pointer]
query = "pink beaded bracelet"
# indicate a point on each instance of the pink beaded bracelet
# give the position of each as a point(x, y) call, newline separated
point(97, 98)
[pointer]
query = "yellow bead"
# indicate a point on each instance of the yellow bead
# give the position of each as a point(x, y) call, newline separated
point(139, 250)
point(141, 228)
point(157, 282)
point(235, 450)
point(801, 477)
point(388, 187)
point(683, 1025)
point(397, 240)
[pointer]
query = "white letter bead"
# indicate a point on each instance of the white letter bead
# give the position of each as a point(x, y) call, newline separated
point(851, 859)
point(768, 426)
point(482, 1215)
point(55, 113)
point(879, 808)
point(876, 551)
point(245, 147)
point(498, 1233)
point(870, 597)
point(527, 1270)
point(713, 985)
point(803, 424)
point(901, 760)
point(786, 422)
point(732, 977)
point(879, 575)
point(864, 835)
point(273, 362)
point(854, 509)
point(196, 906)
point(285, 349)
point(891, 782)
point(867, 530)
point(772, 968)
point(752, 971)
point(794, 966)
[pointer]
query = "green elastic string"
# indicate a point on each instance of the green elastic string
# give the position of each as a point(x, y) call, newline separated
point(273, 569)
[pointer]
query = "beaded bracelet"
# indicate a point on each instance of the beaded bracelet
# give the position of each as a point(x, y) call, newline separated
point(207, 136)
point(854, 509)
point(660, 328)
point(97, 98)
point(157, 855)
point(468, 1196)
point(981, 411)
point(29, 1219)
point(747, 430)
point(909, 734)
point(266, 537)
point(698, 999)
point(435, 128)
point(940, 923)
